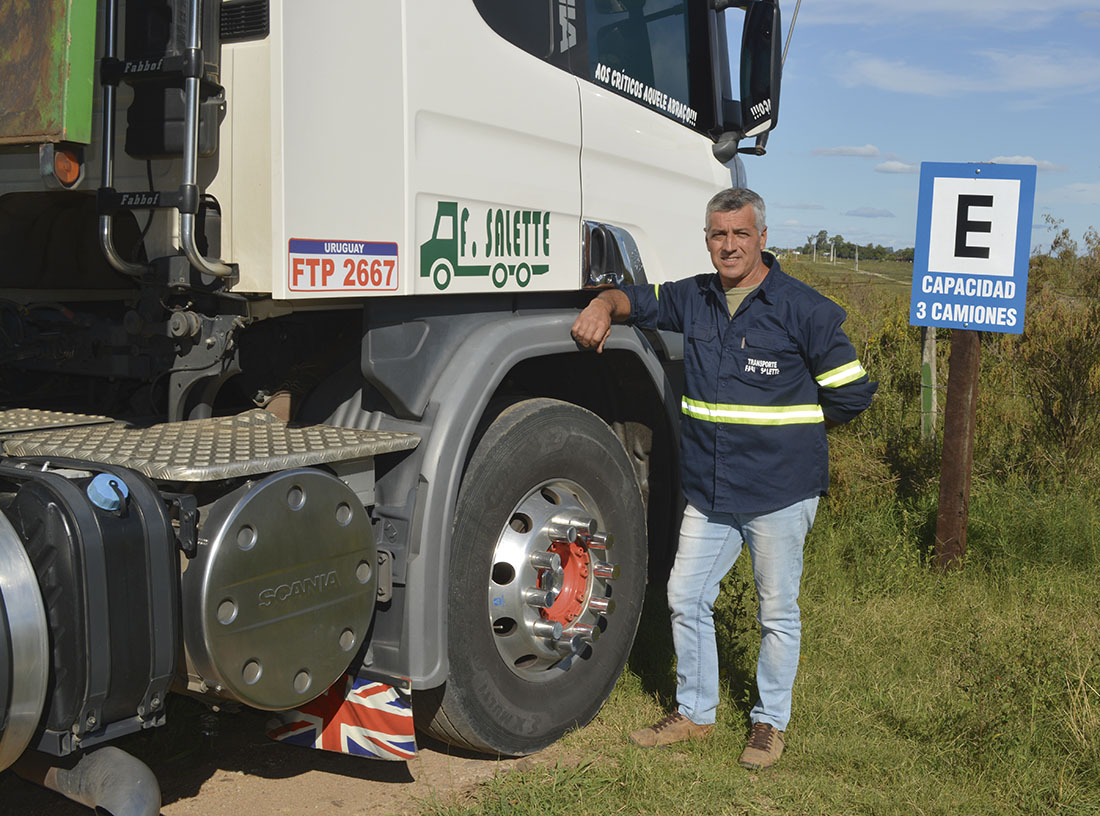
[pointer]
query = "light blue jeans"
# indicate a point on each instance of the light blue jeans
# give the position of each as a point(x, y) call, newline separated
point(709, 545)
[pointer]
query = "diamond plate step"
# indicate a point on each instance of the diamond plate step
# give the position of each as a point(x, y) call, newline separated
point(16, 420)
point(200, 450)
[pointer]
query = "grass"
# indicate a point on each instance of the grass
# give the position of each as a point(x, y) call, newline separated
point(919, 692)
point(894, 276)
point(973, 692)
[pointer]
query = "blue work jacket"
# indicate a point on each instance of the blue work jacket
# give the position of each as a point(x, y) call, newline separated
point(758, 387)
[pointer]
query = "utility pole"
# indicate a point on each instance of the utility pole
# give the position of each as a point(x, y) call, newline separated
point(857, 257)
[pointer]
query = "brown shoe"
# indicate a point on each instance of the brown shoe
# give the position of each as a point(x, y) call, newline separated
point(764, 748)
point(673, 728)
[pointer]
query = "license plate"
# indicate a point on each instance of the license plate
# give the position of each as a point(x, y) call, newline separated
point(341, 266)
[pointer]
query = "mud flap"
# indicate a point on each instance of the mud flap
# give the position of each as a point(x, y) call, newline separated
point(354, 716)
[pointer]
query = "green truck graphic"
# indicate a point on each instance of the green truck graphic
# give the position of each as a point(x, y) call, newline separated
point(439, 255)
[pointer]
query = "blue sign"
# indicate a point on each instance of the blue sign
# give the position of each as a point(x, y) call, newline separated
point(973, 244)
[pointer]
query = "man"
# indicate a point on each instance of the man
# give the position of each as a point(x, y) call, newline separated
point(766, 368)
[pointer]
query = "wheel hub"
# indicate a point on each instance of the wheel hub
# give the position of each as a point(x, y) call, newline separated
point(569, 582)
point(550, 582)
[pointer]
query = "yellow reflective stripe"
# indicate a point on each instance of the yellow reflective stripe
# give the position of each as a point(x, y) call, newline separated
point(850, 372)
point(657, 291)
point(753, 414)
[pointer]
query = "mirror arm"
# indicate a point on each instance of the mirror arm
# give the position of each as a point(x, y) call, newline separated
point(758, 148)
point(727, 145)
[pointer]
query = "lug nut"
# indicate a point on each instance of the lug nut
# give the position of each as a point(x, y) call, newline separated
point(538, 598)
point(585, 526)
point(570, 529)
point(570, 648)
point(544, 559)
point(602, 606)
point(601, 541)
point(563, 533)
point(569, 644)
point(586, 632)
point(608, 572)
point(546, 629)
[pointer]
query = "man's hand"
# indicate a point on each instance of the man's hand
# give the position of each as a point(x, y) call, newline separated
point(593, 326)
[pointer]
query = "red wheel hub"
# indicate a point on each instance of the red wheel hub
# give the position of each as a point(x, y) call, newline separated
point(575, 566)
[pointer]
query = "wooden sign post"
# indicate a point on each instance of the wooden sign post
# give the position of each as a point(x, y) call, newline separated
point(958, 448)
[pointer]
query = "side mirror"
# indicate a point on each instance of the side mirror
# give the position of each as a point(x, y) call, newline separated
point(761, 67)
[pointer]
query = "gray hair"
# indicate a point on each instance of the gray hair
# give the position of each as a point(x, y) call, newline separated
point(734, 198)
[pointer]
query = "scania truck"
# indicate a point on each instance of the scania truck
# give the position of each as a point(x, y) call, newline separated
point(288, 397)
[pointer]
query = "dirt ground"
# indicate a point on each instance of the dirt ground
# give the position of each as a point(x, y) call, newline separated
point(240, 772)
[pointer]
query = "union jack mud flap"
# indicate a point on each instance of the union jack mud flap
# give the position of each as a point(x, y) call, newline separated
point(354, 716)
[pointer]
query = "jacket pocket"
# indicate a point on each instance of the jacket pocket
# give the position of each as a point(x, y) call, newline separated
point(770, 340)
point(702, 332)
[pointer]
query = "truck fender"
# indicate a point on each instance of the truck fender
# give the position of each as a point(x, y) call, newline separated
point(456, 400)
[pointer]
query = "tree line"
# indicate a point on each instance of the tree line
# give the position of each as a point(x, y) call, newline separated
point(846, 249)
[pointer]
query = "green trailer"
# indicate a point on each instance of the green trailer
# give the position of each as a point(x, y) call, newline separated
point(49, 46)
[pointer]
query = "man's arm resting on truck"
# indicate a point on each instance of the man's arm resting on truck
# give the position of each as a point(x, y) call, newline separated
point(593, 326)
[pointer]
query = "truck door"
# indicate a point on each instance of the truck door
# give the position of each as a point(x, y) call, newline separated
point(646, 107)
point(493, 151)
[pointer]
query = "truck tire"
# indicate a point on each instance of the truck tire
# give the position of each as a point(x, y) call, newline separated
point(524, 666)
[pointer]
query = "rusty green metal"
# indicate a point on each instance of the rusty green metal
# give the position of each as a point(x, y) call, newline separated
point(47, 70)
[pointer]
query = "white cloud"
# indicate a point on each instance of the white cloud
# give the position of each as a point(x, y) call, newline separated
point(1043, 166)
point(1086, 193)
point(1013, 15)
point(986, 72)
point(858, 69)
point(868, 151)
point(896, 167)
point(870, 212)
point(1041, 71)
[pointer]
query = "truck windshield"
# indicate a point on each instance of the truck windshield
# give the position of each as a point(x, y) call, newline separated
point(657, 53)
point(646, 42)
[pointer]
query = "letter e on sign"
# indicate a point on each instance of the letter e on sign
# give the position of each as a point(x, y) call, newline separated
point(974, 226)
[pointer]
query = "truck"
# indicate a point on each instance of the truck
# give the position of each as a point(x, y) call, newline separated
point(289, 405)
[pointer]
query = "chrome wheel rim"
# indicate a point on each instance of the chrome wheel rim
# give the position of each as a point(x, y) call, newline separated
point(550, 581)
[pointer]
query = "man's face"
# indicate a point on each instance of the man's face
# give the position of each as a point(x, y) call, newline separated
point(735, 245)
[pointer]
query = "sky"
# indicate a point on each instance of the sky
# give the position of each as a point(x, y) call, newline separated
point(872, 88)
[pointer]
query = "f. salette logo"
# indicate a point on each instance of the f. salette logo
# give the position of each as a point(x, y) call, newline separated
point(761, 109)
point(301, 587)
point(567, 15)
